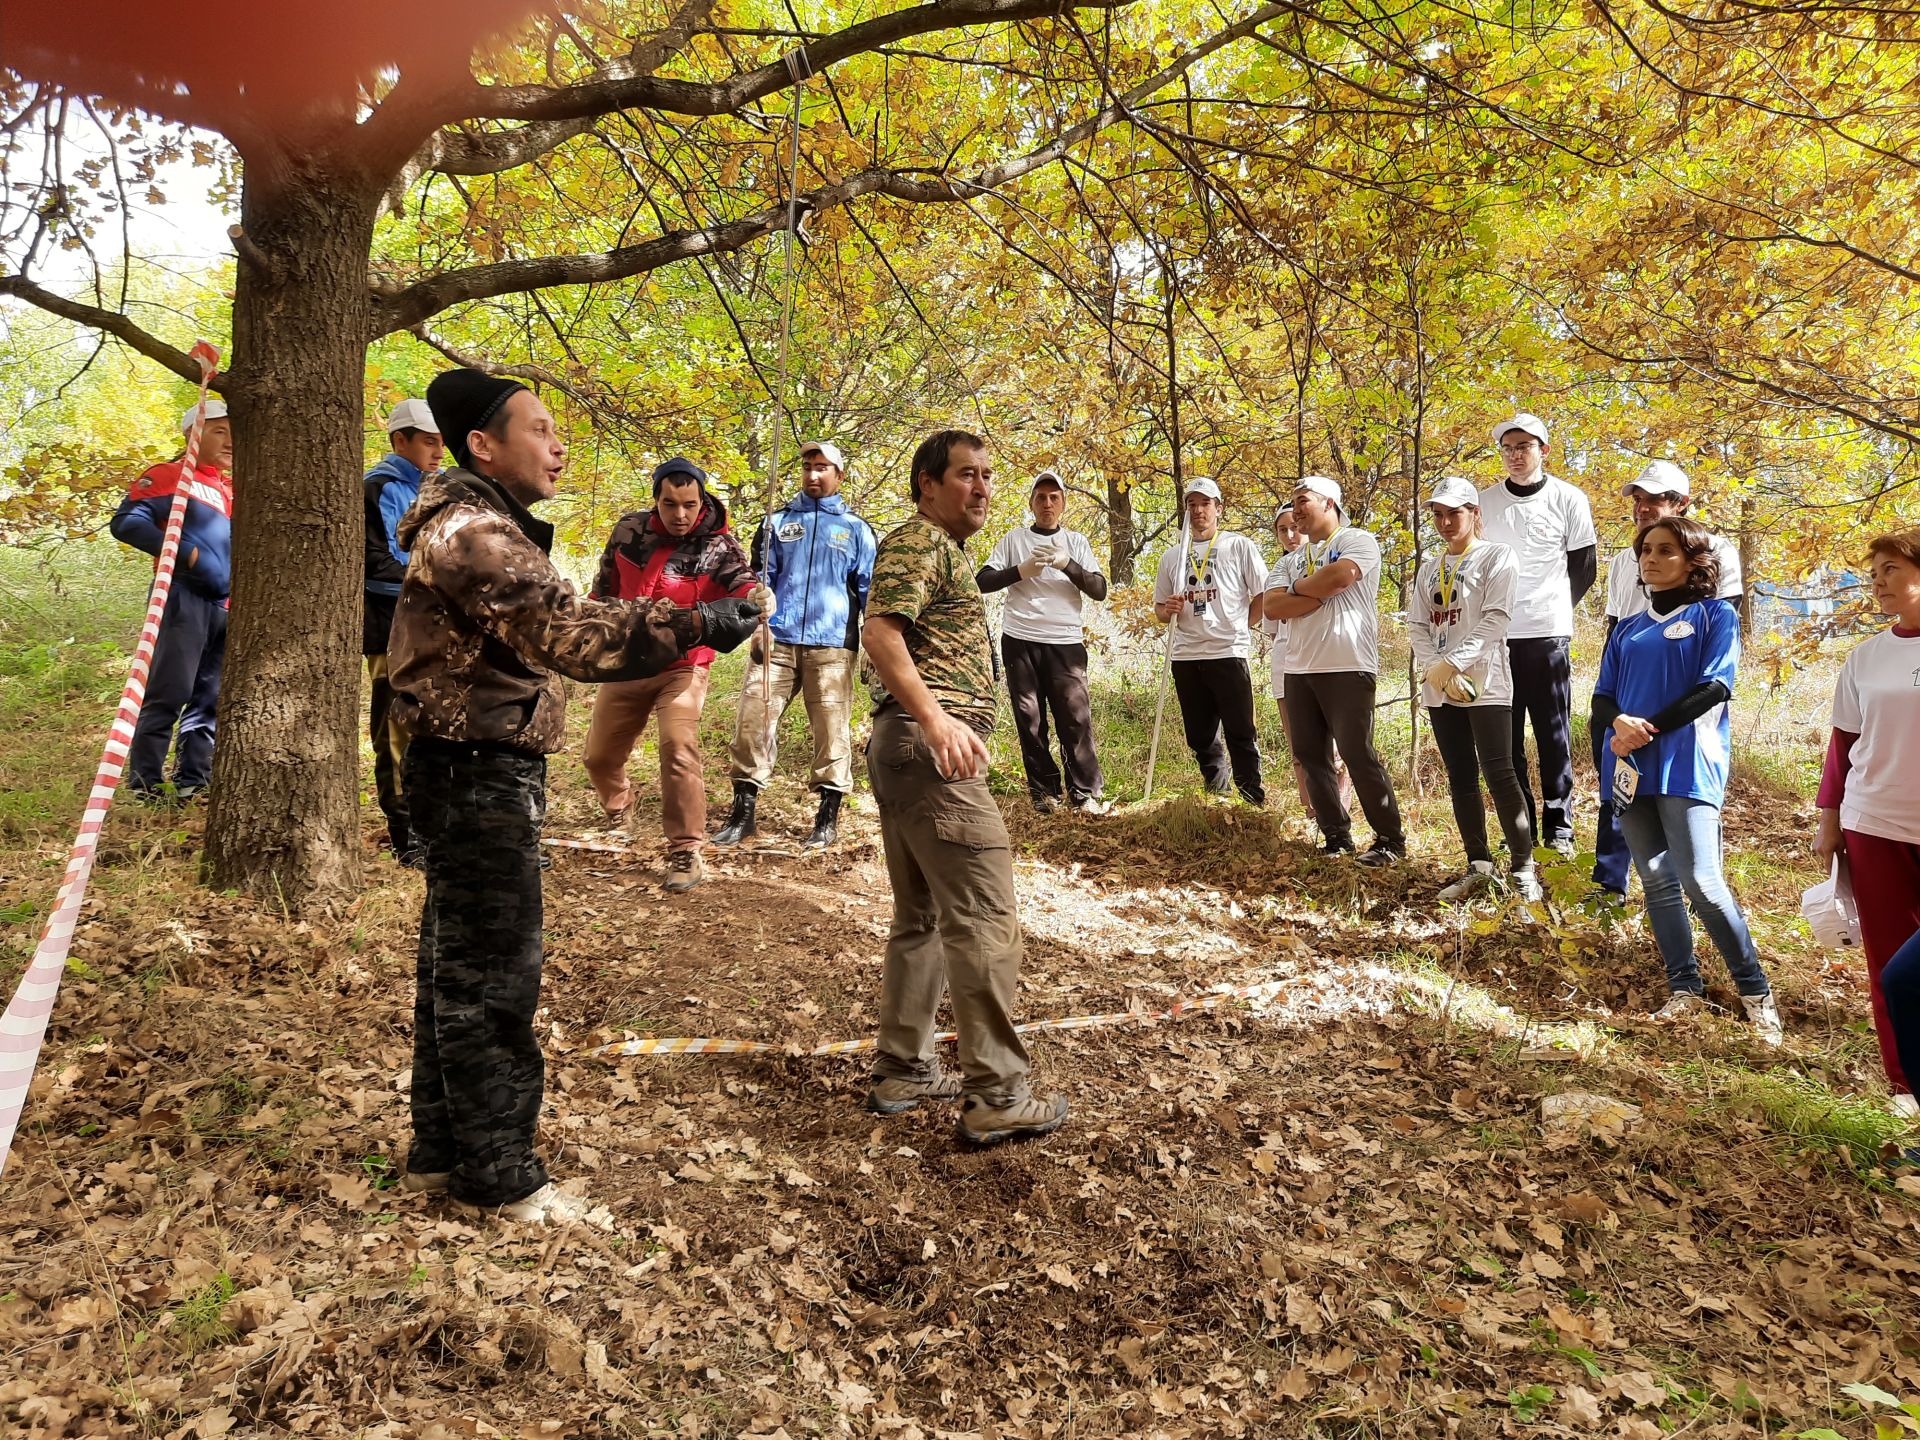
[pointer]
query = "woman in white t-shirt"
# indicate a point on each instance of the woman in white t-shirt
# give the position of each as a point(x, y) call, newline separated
point(1870, 804)
point(1288, 537)
point(1457, 621)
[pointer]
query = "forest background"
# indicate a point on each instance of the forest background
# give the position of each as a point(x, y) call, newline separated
point(1130, 242)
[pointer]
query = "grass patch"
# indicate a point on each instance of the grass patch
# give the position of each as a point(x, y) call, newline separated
point(199, 1321)
point(1806, 1110)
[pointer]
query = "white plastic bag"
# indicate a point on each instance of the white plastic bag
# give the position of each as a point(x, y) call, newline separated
point(1829, 910)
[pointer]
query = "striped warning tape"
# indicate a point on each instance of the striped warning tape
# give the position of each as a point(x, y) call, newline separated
point(23, 1027)
point(686, 1045)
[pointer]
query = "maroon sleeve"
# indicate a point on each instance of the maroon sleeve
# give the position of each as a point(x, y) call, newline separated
point(1833, 775)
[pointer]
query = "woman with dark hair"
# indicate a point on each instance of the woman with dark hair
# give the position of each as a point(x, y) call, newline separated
point(1870, 804)
point(1665, 681)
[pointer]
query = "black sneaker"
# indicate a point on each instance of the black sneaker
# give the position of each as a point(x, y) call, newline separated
point(1336, 845)
point(1379, 856)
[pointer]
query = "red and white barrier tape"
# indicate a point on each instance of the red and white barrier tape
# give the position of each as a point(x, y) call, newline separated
point(685, 1045)
point(23, 1027)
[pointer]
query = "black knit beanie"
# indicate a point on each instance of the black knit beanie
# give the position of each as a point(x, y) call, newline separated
point(465, 400)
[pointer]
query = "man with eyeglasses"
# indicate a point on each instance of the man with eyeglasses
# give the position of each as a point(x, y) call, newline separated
point(1549, 526)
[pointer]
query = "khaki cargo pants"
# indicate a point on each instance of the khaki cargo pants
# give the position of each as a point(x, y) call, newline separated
point(823, 676)
point(955, 925)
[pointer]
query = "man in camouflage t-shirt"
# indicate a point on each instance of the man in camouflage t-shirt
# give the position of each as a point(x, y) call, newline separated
point(955, 925)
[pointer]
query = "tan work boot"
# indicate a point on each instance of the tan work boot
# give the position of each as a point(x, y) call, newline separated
point(891, 1096)
point(425, 1182)
point(684, 871)
point(549, 1205)
point(1025, 1119)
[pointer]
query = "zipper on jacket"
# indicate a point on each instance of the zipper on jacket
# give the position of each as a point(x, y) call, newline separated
point(806, 605)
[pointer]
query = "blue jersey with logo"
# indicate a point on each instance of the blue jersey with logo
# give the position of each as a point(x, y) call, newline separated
point(817, 558)
point(1650, 662)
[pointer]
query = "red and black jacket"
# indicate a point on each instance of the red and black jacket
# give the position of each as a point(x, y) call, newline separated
point(643, 562)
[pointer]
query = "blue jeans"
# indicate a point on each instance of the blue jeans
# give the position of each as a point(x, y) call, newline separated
point(1900, 983)
point(1675, 842)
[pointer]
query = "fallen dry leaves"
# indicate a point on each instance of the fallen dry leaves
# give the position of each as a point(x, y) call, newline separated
point(1320, 1215)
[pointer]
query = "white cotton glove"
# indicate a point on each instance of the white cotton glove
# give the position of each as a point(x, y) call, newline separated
point(762, 596)
point(1461, 690)
point(1060, 554)
point(1031, 567)
point(1439, 675)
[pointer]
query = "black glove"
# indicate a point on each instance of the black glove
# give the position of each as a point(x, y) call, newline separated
point(725, 623)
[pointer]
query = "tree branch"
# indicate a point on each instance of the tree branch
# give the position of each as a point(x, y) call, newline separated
point(428, 297)
point(116, 325)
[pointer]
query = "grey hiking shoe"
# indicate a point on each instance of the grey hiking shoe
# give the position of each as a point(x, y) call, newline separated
point(684, 871)
point(1479, 877)
point(893, 1095)
point(1025, 1119)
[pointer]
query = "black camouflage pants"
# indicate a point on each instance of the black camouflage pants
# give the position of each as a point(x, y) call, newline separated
point(478, 1075)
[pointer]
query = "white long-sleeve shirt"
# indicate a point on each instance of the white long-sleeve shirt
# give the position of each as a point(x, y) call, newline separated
point(1459, 612)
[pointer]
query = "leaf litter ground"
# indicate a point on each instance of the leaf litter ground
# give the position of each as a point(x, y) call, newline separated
point(1332, 1211)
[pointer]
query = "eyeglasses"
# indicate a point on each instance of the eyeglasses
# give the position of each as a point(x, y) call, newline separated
point(1520, 449)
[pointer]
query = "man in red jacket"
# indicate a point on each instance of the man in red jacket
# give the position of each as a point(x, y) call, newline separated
point(683, 551)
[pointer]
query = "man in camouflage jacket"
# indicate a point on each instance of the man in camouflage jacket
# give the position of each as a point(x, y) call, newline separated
point(484, 629)
point(955, 924)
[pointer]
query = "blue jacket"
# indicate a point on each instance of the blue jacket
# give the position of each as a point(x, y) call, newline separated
point(391, 488)
point(205, 565)
point(817, 557)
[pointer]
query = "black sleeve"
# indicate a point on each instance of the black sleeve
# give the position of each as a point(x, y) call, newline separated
point(1091, 583)
point(1582, 566)
point(1612, 620)
point(1603, 712)
point(380, 562)
point(1690, 706)
point(991, 580)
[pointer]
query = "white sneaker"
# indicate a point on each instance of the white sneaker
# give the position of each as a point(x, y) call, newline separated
point(1478, 877)
point(1094, 805)
point(549, 1205)
point(1526, 884)
point(1679, 1006)
point(1907, 1107)
point(1765, 1016)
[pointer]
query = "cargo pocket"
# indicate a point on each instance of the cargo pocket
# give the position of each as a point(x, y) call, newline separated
point(979, 867)
point(977, 835)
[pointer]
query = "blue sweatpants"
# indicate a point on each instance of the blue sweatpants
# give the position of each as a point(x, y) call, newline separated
point(183, 688)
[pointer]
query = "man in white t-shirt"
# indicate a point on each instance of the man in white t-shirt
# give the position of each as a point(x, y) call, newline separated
point(1548, 525)
point(1046, 572)
point(1328, 592)
point(1213, 607)
point(1660, 491)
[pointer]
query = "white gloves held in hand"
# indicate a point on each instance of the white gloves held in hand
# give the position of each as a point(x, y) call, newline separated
point(1438, 675)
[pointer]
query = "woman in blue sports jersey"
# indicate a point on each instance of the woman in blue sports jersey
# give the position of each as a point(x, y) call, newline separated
point(1665, 681)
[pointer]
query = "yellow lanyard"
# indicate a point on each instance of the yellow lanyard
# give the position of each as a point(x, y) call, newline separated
point(1314, 562)
point(1450, 579)
point(1200, 570)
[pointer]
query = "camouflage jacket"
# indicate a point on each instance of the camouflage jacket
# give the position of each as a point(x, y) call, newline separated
point(921, 575)
point(485, 622)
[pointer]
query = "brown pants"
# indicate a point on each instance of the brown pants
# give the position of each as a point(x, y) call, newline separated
point(389, 751)
point(824, 676)
point(620, 714)
point(955, 925)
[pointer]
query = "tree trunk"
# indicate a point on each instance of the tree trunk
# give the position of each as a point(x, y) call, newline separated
point(1120, 543)
point(285, 816)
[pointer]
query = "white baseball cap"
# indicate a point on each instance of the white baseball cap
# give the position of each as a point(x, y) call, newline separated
point(1454, 492)
point(216, 410)
point(1527, 424)
point(412, 415)
point(1048, 477)
point(1202, 487)
point(1321, 485)
point(1661, 477)
point(827, 451)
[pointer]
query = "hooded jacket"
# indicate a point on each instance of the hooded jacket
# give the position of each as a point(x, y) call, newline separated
point(817, 557)
point(486, 626)
point(141, 521)
point(388, 492)
point(643, 562)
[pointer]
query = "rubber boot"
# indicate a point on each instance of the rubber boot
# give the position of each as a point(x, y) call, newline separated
point(826, 824)
point(739, 824)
